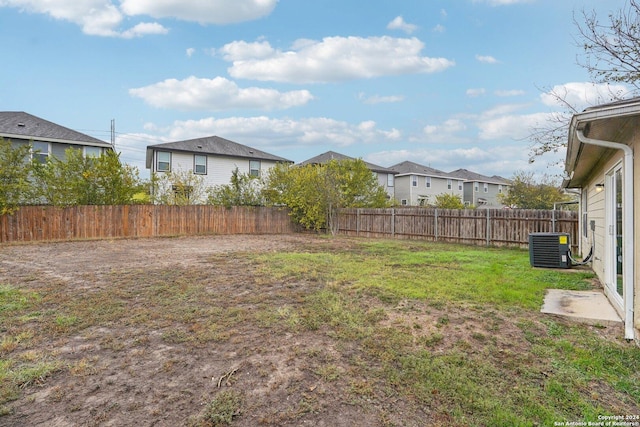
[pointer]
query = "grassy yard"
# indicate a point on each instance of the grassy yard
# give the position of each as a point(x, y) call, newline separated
point(391, 332)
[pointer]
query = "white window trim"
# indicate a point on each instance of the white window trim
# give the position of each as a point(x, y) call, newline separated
point(158, 161)
point(195, 164)
point(258, 170)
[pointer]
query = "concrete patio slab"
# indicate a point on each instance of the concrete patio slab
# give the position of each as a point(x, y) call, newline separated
point(591, 307)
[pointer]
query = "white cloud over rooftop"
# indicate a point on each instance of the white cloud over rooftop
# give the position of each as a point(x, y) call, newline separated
point(333, 59)
point(217, 94)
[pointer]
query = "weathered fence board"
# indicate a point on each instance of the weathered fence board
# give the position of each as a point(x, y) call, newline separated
point(33, 223)
point(490, 227)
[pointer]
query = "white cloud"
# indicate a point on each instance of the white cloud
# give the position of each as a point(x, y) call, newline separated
point(268, 132)
point(143, 29)
point(190, 51)
point(487, 59)
point(104, 17)
point(331, 60)
point(514, 127)
point(439, 29)
point(243, 51)
point(398, 23)
point(216, 94)
point(508, 93)
point(581, 95)
point(474, 93)
point(377, 99)
point(202, 11)
point(449, 127)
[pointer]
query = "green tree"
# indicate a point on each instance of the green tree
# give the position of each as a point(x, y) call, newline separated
point(243, 190)
point(14, 176)
point(448, 201)
point(84, 180)
point(177, 188)
point(526, 193)
point(315, 193)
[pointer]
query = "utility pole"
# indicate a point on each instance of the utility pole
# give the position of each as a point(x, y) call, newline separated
point(113, 133)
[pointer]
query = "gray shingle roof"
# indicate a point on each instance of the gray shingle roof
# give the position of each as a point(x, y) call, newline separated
point(217, 146)
point(332, 155)
point(18, 124)
point(473, 176)
point(408, 168)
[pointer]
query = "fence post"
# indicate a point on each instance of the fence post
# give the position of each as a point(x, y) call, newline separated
point(488, 229)
point(357, 221)
point(393, 222)
point(435, 225)
point(553, 221)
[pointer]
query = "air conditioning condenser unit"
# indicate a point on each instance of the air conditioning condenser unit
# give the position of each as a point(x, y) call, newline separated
point(550, 250)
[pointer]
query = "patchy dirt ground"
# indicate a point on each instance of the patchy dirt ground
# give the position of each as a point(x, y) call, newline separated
point(146, 360)
point(129, 374)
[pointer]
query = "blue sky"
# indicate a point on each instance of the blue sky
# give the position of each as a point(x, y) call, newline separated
point(445, 83)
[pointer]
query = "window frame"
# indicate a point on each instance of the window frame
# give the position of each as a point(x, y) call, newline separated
point(427, 181)
point(38, 153)
point(160, 161)
point(195, 164)
point(449, 183)
point(252, 169)
point(97, 153)
point(390, 180)
point(485, 187)
point(414, 181)
point(460, 185)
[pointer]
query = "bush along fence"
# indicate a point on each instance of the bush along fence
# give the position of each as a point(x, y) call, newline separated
point(488, 227)
point(33, 223)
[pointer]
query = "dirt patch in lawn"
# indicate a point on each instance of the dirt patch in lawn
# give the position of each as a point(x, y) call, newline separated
point(151, 359)
point(185, 331)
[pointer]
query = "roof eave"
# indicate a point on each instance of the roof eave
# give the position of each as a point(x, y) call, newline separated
point(579, 122)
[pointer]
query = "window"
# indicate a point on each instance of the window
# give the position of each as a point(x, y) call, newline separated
point(92, 151)
point(460, 185)
point(390, 180)
point(254, 167)
point(486, 187)
point(476, 187)
point(163, 159)
point(40, 151)
point(200, 164)
point(427, 182)
point(414, 181)
point(403, 202)
point(499, 188)
point(449, 184)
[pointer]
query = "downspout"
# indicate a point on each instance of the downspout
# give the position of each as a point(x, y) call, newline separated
point(628, 209)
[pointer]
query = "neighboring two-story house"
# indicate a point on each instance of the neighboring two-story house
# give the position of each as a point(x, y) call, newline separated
point(211, 157)
point(46, 138)
point(481, 191)
point(418, 185)
point(385, 176)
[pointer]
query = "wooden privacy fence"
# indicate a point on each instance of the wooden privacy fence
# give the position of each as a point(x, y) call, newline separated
point(32, 223)
point(490, 227)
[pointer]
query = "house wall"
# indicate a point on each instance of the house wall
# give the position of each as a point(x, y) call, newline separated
point(405, 190)
point(219, 169)
point(56, 149)
point(383, 181)
point(472, 196)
